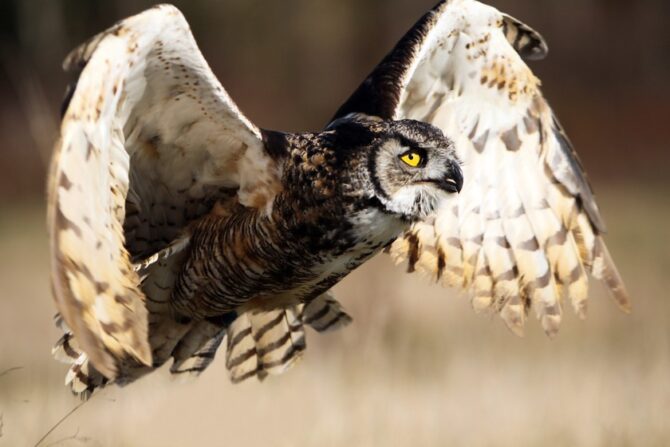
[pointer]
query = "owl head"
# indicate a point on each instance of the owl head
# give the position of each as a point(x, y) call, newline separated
point(410, 165)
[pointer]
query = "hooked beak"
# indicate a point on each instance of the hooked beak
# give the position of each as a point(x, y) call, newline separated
point(452, 182)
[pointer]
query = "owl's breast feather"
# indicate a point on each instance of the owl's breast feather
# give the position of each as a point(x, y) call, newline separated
point(240, 259)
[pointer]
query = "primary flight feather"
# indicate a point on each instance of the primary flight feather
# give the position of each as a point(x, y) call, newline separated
point(176, 224)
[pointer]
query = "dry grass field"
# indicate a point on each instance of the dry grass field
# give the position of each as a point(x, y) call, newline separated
point(417, 367)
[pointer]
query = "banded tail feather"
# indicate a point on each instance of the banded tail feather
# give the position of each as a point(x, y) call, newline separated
point(269, 343)
point(196, 351)
point(324, 314)
point(264, 342)
point(259, 343)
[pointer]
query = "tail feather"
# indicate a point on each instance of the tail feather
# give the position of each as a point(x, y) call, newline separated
point(259, 343)
point(241, 359)
point(324, 314)
point(264, 342)
point(280, 341)
point(196, 351)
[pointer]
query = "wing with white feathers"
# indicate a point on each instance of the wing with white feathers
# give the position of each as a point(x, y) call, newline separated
point(525, 229)
point(149, 141)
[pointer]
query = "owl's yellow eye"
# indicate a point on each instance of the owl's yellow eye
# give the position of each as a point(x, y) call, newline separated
point(412, 158)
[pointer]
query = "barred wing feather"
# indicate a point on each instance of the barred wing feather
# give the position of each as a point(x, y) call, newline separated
point(525, 229)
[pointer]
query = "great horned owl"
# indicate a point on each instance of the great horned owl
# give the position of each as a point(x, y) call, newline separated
point(176, 223)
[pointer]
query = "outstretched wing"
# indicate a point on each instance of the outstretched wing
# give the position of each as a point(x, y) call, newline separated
point(149, 141)
point(525, 229)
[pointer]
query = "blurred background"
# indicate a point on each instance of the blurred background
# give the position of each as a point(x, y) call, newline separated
point(417, 367)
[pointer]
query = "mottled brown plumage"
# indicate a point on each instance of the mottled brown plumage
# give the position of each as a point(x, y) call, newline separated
point(328, 216)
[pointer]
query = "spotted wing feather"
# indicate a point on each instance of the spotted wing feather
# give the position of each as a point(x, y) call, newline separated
point(526, 229)
point(149, 141)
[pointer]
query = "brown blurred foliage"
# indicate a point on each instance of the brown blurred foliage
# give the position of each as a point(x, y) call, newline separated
point(289, 64)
